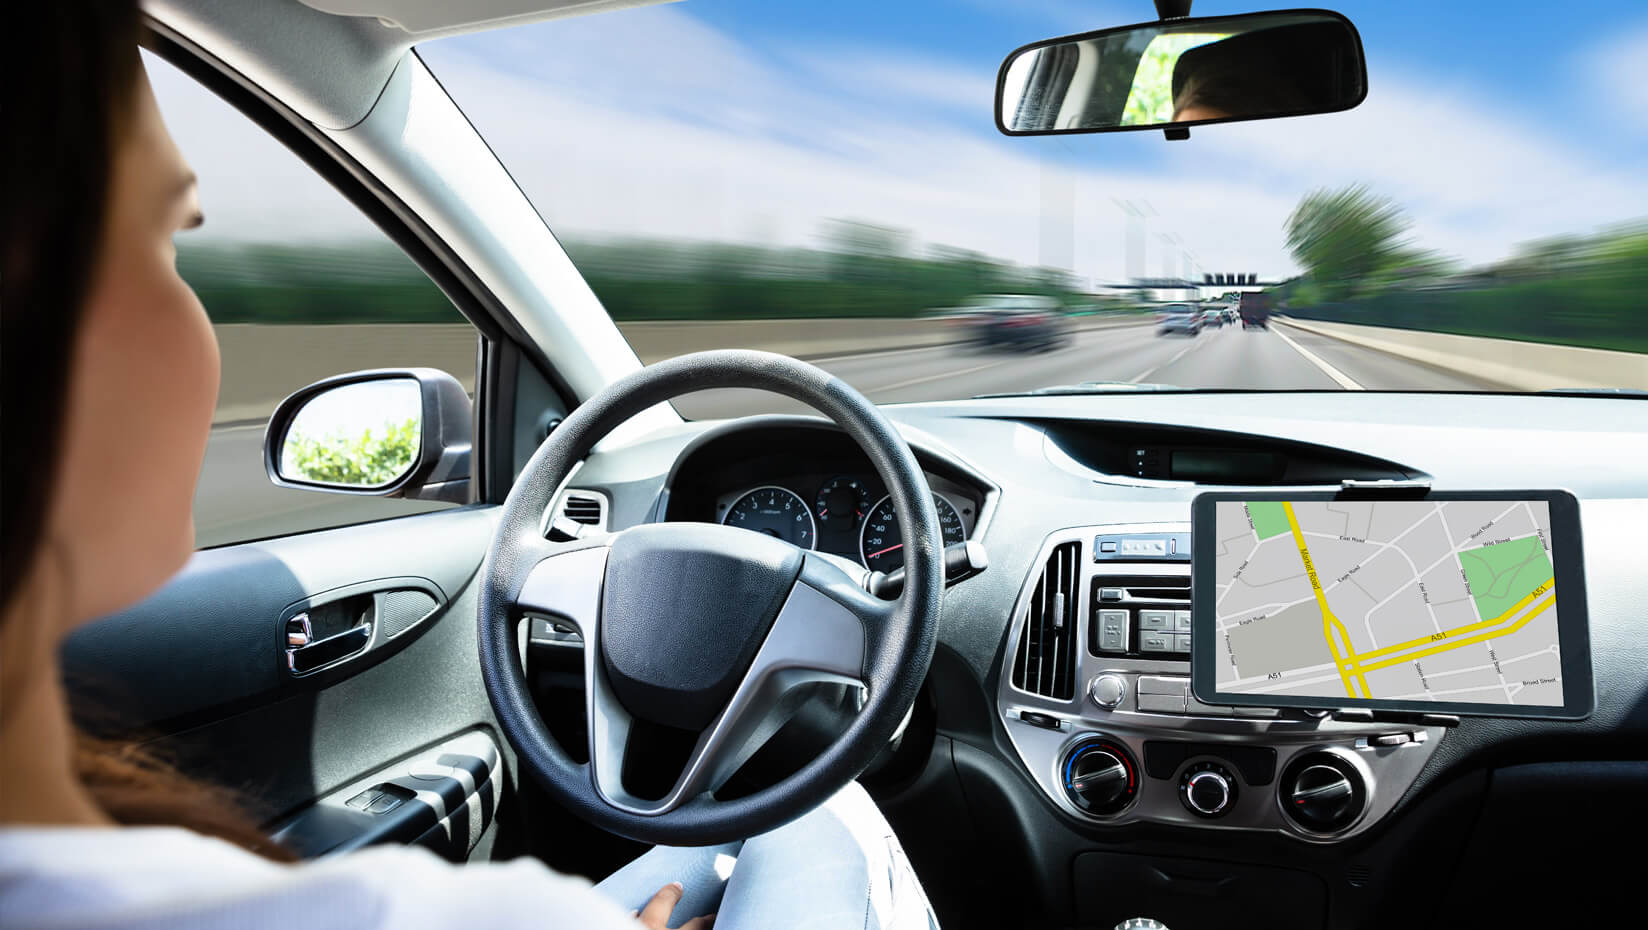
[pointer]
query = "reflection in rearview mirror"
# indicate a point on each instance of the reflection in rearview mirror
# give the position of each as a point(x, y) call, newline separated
point(1183, 72)
point(360, 435)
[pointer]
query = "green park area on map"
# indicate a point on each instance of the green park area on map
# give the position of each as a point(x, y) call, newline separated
point(1269, 519)
point(1503, 573)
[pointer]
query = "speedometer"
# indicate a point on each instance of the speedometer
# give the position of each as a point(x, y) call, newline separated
point(775, 511)
point(881, 544)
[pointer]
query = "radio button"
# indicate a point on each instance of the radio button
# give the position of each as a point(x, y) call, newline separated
point(1162, 695)
point(1158, 620)
point(1153, 641)
point(1163, 703)
point(1107, 691)
point(1113, 626)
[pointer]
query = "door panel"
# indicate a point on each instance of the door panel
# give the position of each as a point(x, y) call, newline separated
point(202, 666)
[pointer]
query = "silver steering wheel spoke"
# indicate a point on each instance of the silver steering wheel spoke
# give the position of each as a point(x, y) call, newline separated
point(815, 638)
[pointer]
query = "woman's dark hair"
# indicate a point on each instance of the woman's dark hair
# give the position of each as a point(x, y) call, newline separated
point(64, 125)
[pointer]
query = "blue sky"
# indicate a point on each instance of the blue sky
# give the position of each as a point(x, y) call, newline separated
point(752, 120)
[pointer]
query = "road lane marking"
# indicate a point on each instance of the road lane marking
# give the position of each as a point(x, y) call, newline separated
point(926, 378)
point(1176, 356)
point(1332, 372)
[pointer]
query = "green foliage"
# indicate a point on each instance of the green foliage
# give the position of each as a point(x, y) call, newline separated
point(864, 271)
point(1346, 240)
point(366, 459)
point(1580, 290)
point(349, 282)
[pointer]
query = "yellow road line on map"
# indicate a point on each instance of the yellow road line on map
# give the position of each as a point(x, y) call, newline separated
point(1467, 628)
point(1413, 656)
point(1329, 621)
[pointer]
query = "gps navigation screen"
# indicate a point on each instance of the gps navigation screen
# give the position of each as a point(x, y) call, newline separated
point(1448, 601)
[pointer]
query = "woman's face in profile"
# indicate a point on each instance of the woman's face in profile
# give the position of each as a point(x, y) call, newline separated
point(142, 385)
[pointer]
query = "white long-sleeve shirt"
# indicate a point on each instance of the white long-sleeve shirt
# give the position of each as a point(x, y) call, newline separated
point(167, 878)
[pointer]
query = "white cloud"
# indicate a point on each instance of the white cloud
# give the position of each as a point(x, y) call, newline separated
point(1475, 180)
point(1619, 69)
point(649, 122)
point(251, 187)
point(895, 76)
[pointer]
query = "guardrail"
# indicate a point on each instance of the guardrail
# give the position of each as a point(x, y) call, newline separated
point(1522, 366)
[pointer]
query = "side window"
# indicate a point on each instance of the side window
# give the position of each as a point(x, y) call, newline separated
point(299, 286)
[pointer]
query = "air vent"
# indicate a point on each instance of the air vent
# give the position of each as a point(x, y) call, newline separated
point(1046, 659)
point(577, 512)
point(585, 509)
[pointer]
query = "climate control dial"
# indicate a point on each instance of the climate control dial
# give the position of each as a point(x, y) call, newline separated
point(1100, 776)
point(1322, 792)
point(1207, 789)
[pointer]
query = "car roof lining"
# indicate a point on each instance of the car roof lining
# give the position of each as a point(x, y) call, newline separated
point(329, 60)
point(428, 19)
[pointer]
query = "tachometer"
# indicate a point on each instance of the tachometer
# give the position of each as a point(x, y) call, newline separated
point(881, 544)
point(844, 499)
point(775, 511)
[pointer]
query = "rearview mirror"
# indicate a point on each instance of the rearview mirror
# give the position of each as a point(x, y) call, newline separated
point(384, 433)
point(1183, 72)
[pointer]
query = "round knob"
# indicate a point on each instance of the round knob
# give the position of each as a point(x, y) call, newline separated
point(1107, 691)
point(1207, 789)
point(1100, 777)
point(1322, 793)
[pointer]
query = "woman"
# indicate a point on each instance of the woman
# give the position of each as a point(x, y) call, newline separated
point(110, 378)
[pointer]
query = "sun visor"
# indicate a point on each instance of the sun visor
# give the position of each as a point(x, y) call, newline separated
point(429, 19)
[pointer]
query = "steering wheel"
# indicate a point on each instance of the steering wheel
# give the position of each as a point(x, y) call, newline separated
point(705, 627)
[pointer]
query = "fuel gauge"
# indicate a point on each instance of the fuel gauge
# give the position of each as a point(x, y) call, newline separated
point(843, 501)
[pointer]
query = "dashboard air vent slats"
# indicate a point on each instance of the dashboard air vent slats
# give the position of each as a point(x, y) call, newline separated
point(582, 509)
point(576, 511)
point(1045, 662)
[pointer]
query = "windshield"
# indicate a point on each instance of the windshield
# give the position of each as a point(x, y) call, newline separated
point(826, 180)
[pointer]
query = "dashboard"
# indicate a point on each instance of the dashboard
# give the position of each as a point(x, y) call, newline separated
point(1092, 778)
point(814, 489)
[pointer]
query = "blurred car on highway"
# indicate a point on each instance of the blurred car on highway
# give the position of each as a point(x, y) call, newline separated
point(1023, 322)
point(1183, 319)
point(1255, 310)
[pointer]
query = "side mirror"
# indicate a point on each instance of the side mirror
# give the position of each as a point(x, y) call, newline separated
point(392, 432)
point(1183, 72)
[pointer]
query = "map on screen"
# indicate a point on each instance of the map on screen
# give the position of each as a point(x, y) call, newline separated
point(1447, 601)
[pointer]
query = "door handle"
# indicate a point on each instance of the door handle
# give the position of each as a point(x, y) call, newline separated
point(305, 654)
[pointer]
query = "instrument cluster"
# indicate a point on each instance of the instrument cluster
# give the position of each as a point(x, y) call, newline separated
point(845, 514)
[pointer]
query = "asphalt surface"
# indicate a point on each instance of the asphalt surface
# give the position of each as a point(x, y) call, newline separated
point(236, 502)
point(1230, 357)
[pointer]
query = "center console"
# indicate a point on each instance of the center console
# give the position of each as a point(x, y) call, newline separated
point(1095, 698)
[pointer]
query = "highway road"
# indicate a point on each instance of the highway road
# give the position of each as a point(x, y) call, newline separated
point(1276, 359)
point(235, 500)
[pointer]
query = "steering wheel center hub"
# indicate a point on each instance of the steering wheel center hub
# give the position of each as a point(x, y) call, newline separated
point(683, 610)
